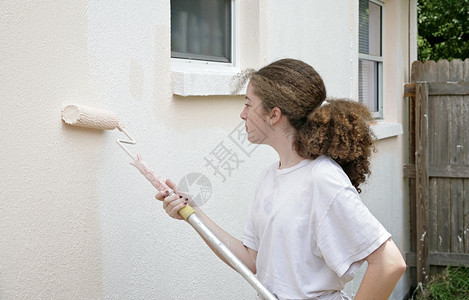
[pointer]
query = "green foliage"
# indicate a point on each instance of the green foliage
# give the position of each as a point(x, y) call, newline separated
point(443, 29)
point(451, 284)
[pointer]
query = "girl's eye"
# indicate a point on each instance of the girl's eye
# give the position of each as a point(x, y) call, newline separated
point(246, 104)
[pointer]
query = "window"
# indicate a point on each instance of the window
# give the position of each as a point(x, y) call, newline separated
point(370, 63)
point(201, 30)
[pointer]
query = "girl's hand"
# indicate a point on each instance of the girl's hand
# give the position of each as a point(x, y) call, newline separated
point(174, 203)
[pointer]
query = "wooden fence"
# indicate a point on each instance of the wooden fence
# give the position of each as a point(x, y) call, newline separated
point(438, 168)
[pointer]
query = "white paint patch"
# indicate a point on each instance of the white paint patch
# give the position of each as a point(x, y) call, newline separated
point(423, 236)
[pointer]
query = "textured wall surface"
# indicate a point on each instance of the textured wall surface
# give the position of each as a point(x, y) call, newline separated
point(50, 228)
point(77, 221)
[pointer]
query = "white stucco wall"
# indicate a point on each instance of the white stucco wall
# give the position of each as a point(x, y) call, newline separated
point(323, 34)
point(76, 220)
point(50, 223)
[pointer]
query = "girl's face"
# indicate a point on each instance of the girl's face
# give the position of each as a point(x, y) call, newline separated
point(256, 118)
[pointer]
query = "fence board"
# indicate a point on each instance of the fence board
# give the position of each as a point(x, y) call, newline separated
point(451, 171)
point(454, 143)
point(440, 158)
point(421, 163)
point(440, 259)
point(457, 217)
point(466, 69)
point(440, 88)
point(456, 70)
point(433, 137)
point(466, 214)
point(415, 76)
point(433, 237)
point(443, 211)
point(416, 71)
point(429, 71)
point(463, 155)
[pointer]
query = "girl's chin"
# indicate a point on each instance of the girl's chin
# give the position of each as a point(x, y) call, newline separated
point(255, 140)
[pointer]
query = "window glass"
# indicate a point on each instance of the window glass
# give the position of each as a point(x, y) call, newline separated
point(201, 29)
point(370, 28)
point(368, 77)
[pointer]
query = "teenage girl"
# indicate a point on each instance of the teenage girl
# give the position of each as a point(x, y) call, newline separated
point(308, 230)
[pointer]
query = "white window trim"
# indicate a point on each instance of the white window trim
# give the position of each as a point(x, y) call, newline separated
point(380, 2)
point(371, 57)
point(379, 115)
point(383, 130)
point(206, 78)
point(200, 78)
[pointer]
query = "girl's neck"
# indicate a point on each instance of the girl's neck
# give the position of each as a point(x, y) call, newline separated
point(290, 160)
point(288, 156)
point(281, 138)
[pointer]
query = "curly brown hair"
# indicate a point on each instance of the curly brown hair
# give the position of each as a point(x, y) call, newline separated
point(338, 128)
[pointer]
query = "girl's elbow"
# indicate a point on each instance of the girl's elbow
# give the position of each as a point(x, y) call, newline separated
point(401, 267)
point(394, 258)
point(389, 259)
point(398, 265)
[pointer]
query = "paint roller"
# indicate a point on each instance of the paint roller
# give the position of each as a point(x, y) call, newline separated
point(88, 117)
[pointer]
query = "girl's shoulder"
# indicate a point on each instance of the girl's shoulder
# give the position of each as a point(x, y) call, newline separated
point(324, 164)
point(326, 169)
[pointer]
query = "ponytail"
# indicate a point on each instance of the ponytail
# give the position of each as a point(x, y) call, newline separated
point(339, 128)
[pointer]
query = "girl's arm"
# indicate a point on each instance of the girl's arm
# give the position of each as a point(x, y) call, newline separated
point(245, 254)
point(385, 267)
point(174, 203)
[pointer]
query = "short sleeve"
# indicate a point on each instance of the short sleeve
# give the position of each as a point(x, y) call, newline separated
point(348, 232)
point(250, 239)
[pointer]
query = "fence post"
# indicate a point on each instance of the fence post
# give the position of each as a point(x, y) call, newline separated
point(422, 181)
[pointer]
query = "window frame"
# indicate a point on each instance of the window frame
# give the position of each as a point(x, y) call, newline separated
point(208, 78)
point(182, 57)
point(379, 114)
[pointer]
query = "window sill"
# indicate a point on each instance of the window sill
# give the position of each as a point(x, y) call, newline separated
point(383, 130)
point(199, 78)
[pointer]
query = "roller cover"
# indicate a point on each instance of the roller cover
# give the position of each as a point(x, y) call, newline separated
point(78, 115)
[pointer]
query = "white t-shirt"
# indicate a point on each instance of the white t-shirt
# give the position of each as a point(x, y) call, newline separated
point(310, 229)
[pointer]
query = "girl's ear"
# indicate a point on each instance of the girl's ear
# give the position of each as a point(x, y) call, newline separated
point(274, 115)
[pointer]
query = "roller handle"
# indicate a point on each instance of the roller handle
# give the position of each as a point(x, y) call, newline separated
point(159, 184)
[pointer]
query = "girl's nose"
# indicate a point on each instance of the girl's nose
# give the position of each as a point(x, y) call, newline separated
point(243, 114)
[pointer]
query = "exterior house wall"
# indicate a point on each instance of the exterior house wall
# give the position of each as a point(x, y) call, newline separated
point(76, 220)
